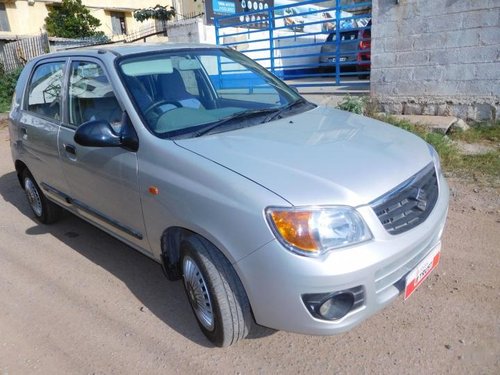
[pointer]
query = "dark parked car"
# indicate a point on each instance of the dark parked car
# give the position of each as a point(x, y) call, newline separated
point(354, 53)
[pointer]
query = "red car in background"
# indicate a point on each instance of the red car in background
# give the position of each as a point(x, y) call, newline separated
point(364, 54)
point(355, 50)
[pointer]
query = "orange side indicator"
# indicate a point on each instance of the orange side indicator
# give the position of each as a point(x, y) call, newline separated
point(294, 227)
point(153, 190)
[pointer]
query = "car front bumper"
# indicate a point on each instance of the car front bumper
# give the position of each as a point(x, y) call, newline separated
point(275, 279)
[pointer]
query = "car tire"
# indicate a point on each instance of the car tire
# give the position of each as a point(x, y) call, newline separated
point(45, 211)
point(215, 293)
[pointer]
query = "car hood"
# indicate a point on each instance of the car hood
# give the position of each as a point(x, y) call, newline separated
point(322, 156)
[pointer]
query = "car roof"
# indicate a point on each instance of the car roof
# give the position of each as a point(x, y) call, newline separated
point(128, 49)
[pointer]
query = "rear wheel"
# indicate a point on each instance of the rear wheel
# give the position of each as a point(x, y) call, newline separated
point(215, 292)
point(45, 211)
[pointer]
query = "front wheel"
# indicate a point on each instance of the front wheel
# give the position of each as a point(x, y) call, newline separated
point(45, 211)
point(216, 295)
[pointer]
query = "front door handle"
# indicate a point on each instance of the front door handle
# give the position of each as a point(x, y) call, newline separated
point(70, 149)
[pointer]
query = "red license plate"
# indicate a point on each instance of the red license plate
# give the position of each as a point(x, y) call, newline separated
point(416, 277)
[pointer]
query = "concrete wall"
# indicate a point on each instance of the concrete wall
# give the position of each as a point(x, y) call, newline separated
point(190, 31)
point(437, 57)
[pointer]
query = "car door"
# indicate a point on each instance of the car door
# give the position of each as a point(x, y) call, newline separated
point(103, 181)
point(38, 123)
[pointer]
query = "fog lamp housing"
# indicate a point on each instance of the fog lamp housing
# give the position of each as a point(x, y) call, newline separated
point(334, 306)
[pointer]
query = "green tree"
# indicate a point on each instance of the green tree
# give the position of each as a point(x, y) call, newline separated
point(71, 19)
point(159, 12)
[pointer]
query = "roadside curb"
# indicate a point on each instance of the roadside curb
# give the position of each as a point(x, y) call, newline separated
point(437, 124)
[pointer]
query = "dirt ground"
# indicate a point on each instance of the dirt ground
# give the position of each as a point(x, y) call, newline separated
point(76, 301)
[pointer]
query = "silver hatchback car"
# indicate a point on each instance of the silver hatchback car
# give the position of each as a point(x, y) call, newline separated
point(273, 211)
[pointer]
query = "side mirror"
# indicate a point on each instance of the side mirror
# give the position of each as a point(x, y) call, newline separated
point(98, 133)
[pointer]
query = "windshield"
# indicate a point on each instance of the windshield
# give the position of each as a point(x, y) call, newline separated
point(193, 92)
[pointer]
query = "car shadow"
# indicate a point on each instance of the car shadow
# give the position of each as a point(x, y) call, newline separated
point(141, 275)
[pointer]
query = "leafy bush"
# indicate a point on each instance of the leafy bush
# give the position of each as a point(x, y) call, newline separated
point(159, 12)
point(354, 104)
point(7, 85)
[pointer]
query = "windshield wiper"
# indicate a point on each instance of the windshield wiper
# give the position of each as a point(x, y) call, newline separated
point(272, 113)
point(229, 119)
point(289, 106)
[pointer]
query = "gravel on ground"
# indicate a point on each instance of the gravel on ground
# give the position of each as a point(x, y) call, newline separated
point(77, 301)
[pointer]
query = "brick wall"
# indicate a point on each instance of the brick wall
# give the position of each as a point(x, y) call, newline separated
point(437, 57)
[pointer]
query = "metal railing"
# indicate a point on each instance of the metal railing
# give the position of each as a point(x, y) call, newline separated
point(308, 42)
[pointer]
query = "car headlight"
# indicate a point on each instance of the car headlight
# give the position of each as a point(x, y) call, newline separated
point(435, 158)
point(313, 231)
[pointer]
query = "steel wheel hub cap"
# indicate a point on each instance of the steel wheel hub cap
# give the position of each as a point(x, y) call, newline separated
point(33, 197)
point(197, 291)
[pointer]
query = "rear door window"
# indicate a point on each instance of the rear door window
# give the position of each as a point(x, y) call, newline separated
point(44, 90)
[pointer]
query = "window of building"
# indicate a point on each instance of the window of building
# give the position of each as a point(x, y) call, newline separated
point(4, 21)
point(44, 95)
point(118, 23)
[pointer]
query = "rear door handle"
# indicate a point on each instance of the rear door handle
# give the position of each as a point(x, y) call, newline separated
point(70, 149)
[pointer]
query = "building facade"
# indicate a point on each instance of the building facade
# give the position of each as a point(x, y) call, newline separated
point(23, 18)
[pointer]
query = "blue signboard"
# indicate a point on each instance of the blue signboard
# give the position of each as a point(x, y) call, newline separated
point(257, 9)
point(224, 7)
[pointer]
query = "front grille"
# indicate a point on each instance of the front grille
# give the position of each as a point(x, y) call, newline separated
point(410, 203)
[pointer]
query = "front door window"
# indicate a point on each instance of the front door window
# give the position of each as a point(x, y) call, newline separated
point(91, 96)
